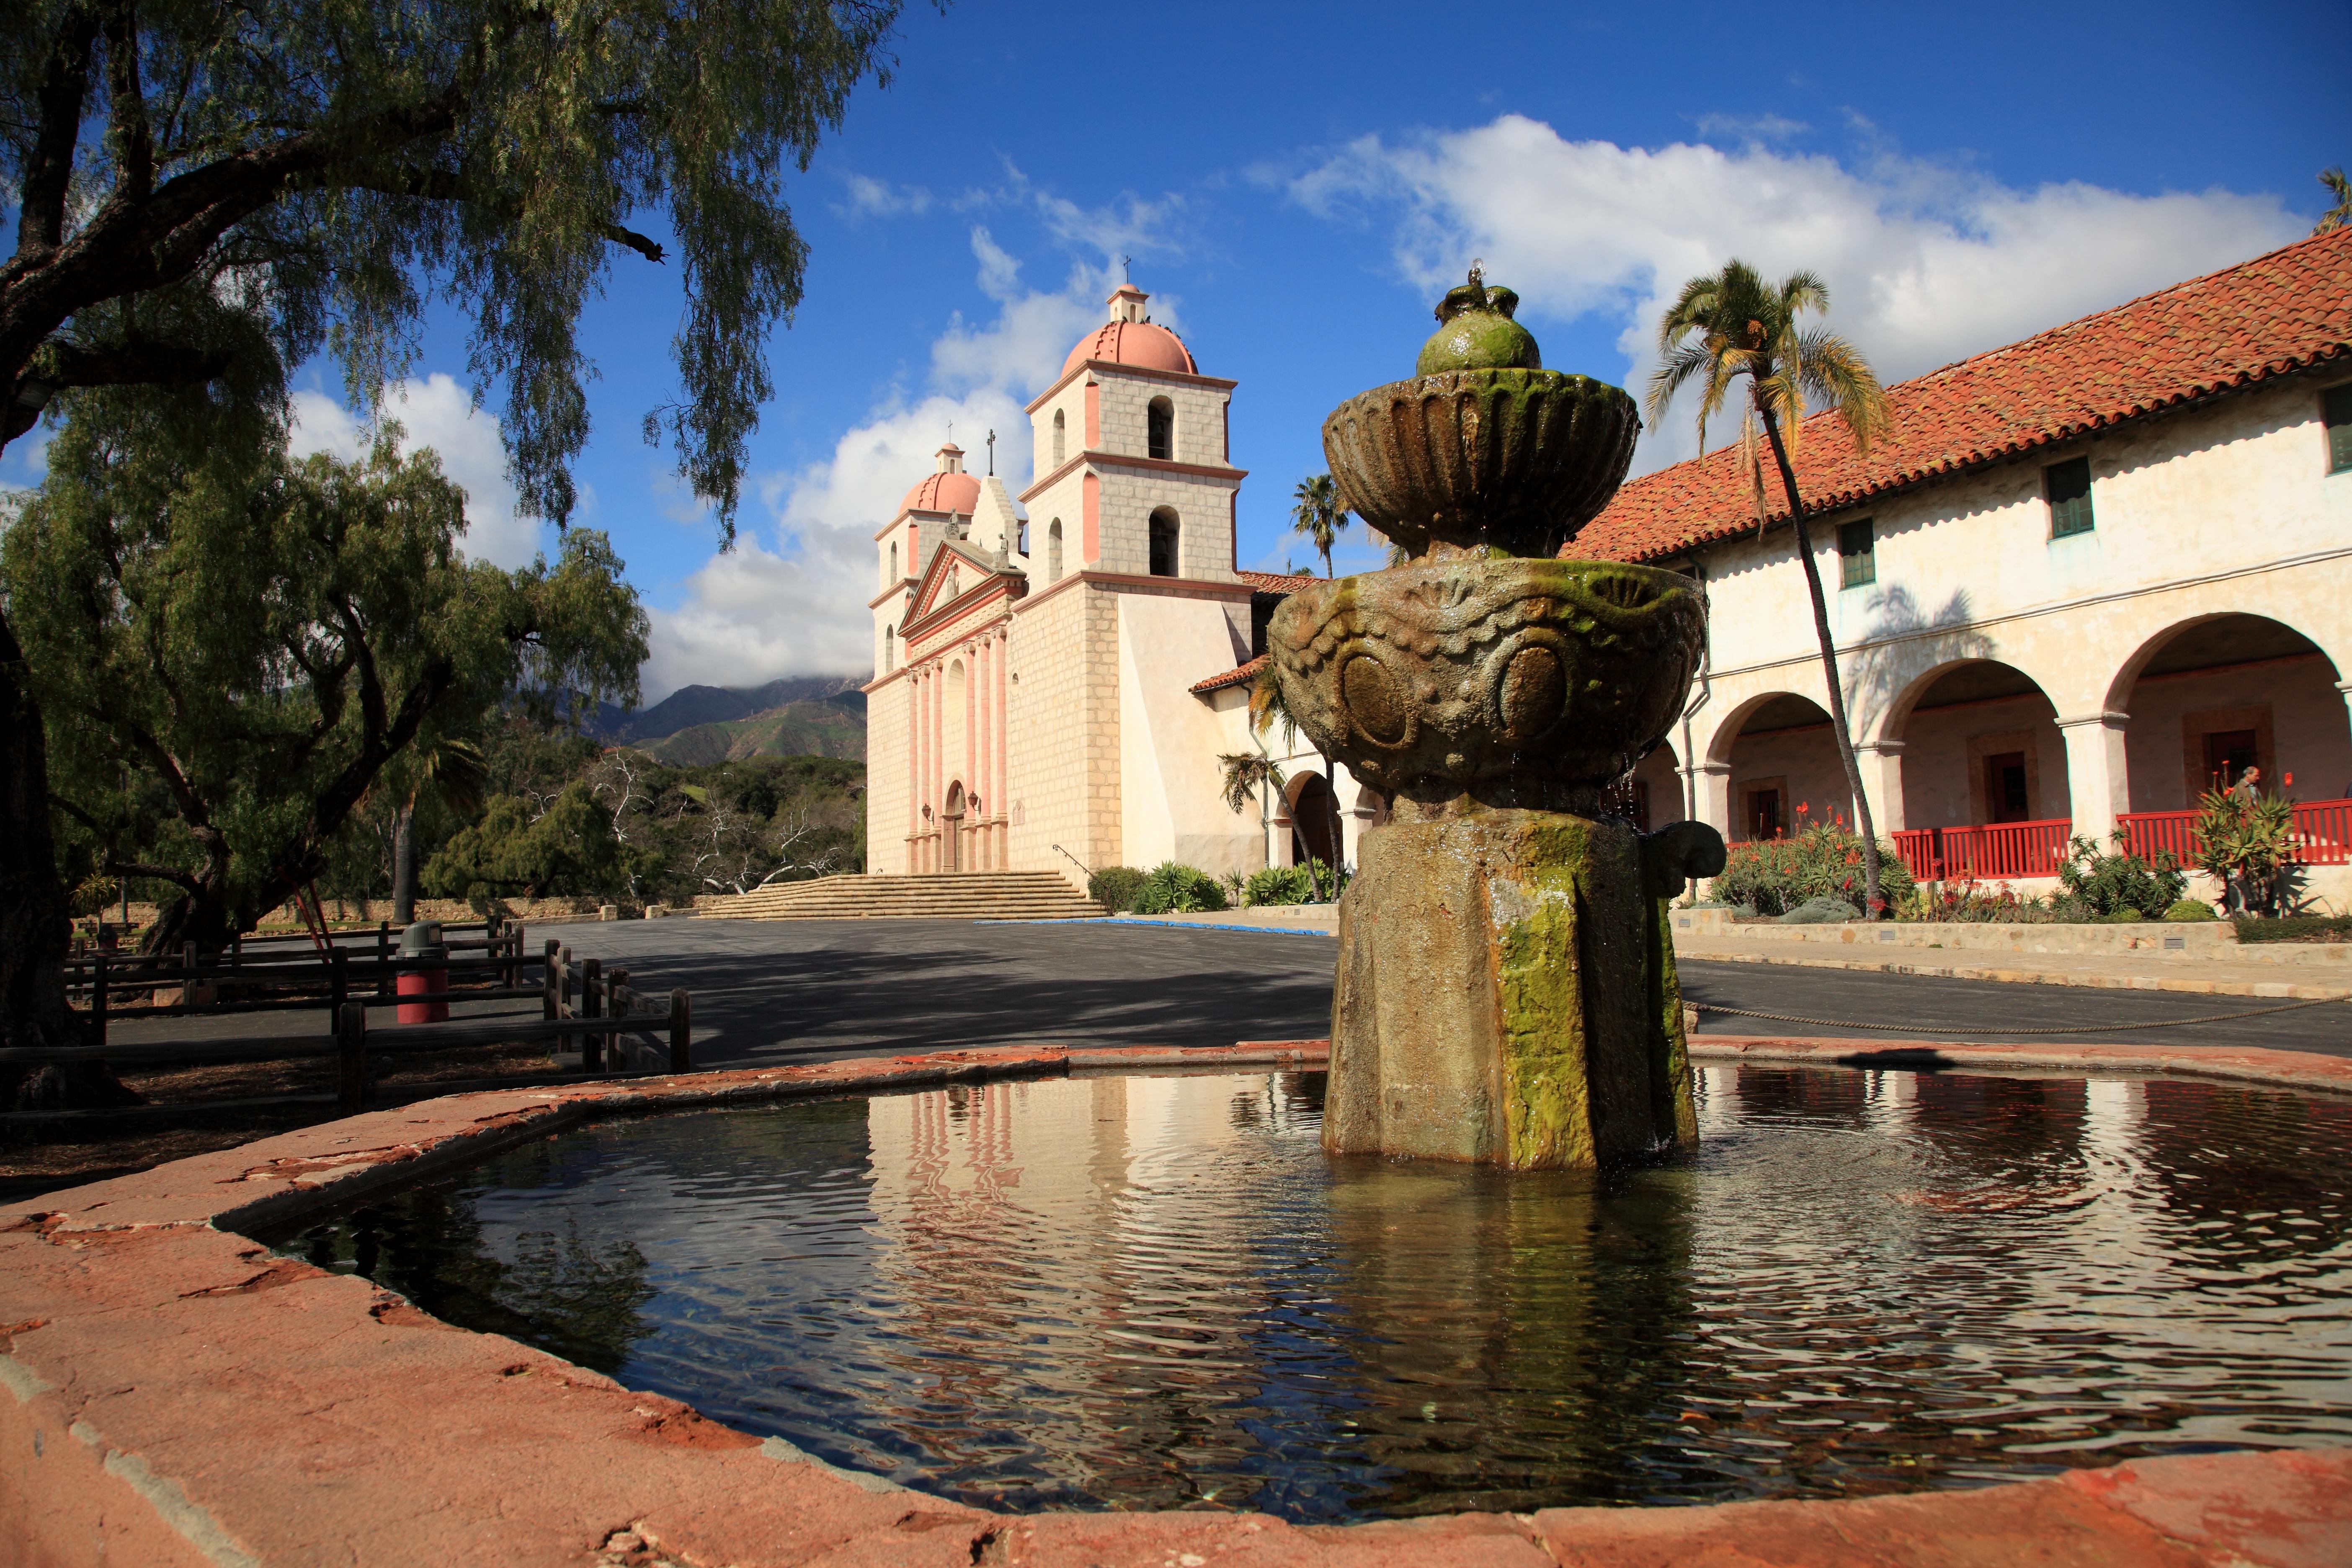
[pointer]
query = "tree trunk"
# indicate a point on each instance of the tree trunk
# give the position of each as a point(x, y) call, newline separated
point(35, 920)
point(404, 865)
point(1873, 904)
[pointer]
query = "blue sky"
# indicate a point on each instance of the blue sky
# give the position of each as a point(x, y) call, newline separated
point(1298, 182)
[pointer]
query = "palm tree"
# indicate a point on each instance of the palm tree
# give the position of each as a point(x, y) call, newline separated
point(1733, 323)
point(2339, 187)
point(1267, 708)
point(1320, 514)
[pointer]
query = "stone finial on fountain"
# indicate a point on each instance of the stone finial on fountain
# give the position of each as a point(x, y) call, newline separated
point(1506, 989)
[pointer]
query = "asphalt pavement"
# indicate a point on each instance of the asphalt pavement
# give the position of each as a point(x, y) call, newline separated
point(774, 990)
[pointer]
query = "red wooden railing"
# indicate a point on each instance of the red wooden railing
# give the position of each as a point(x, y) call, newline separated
point(1997, 852)
point(2323, 832)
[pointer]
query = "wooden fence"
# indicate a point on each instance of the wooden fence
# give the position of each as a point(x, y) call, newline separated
point(616, 1028)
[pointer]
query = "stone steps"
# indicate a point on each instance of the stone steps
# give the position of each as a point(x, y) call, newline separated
point(975, 895)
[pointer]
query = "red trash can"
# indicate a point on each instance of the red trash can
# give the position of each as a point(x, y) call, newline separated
point(422, 941)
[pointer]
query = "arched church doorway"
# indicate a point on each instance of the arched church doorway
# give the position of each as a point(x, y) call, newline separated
point(951, 831)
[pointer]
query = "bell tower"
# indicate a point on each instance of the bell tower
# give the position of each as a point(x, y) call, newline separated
point(1134, 478)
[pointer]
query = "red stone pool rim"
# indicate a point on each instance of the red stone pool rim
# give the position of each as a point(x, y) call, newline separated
point(175, 1396)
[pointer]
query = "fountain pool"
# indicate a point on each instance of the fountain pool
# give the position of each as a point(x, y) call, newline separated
point(1136, 1292)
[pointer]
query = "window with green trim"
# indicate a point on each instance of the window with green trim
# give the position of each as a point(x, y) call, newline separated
point(2335, 405)
point(1857, 553)
point(2069, 485)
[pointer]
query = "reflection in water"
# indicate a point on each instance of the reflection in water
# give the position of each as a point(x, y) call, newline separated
point(1149, 1291)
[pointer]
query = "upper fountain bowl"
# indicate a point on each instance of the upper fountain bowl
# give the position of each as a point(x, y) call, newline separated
point(1507, 459)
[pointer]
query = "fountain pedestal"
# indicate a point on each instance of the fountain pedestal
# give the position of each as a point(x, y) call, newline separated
point(1506, 995)
point(1505, 992)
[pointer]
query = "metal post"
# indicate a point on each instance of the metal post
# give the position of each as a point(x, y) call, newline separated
point(98, 1000)
point(592, 1046)
point(339, 983)
point(681, 1033)
point(547, 979)
point(383, 986)
point(351, 1058)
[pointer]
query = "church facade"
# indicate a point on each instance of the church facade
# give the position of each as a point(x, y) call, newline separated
point(1059, 674)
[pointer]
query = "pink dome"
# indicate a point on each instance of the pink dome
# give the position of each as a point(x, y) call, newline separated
point(943, 492)
point(948, 489)
point(1138, 344)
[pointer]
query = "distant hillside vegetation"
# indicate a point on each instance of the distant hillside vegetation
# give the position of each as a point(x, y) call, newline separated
point(692, 705)
point(835, 727)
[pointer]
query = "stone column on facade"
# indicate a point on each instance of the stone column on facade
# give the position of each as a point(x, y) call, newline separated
point(939, 764)
point(1713, 794)
point(1003, 750)
point(2098, 778)
point(914, 767)
point(1881, 765)
point(973, 782)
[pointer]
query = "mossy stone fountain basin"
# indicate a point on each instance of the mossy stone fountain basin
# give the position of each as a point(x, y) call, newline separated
point(1505, 992)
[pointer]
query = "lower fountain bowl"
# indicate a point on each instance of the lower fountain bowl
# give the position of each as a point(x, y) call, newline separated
point(1522, 680)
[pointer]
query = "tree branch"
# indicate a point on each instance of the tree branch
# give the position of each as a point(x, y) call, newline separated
point(41, 221)
point(127, 108)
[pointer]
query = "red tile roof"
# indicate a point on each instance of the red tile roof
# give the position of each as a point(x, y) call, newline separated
point(2268, 317)
point(1274, 582)
point(1239, 676)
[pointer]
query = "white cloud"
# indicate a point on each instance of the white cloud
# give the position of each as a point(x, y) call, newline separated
point(791, 599)
point(877, 198)
point(1925, 264)
point(439, 414)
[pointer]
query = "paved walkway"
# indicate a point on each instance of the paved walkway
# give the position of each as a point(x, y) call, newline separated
point(780, 991)
point(2120, 972)
point(768, 991)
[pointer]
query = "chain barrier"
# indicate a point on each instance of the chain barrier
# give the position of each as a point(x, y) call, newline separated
point(1950, 1031)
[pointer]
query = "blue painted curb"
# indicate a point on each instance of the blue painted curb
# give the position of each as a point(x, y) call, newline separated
point(1170, 925)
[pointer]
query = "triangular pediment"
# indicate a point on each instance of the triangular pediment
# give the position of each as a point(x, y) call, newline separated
point(954, 569)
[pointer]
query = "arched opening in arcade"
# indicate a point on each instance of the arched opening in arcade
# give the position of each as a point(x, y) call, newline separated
point(1986, 792)
point(1785, 772)
point(1314, 813)
point(1981, 748)
point(2214, 697)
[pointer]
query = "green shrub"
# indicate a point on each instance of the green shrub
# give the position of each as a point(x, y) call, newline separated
point(1173, 890)
point(1114, 887)
point(1820, 910)
point(2121, 886)
point(1278, 885)
point(2191, 909)
point(1777, 875)
point(2293, 928)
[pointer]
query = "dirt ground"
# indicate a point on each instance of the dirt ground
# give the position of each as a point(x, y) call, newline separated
point(71, 1154)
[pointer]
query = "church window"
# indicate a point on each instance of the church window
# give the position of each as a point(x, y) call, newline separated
point(1164, 533)
point(894, 565)
point(1160, 428)
point(1054, 550)
point(889, 650)
point(1020, 538)
point(1059, 425)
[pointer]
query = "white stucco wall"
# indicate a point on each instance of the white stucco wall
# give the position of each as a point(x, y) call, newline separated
point(2226, 510)
point(1170, 740)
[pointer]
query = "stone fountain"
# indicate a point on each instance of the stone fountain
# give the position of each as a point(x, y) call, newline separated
point(1506, 990)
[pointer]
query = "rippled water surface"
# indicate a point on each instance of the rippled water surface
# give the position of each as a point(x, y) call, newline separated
point(1146, 1292)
